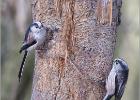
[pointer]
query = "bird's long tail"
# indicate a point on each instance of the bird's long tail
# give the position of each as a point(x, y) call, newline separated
point(22, 65)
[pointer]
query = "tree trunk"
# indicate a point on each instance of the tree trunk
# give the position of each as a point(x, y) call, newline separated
point(73, 65)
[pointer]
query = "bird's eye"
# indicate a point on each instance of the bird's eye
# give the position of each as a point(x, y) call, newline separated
point(116, 63)
point(36, 26)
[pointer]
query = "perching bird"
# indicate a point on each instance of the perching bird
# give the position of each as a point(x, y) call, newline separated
point(35, 36)
point(116, 80)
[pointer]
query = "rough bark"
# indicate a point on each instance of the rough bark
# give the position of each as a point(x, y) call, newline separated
point(73, 65)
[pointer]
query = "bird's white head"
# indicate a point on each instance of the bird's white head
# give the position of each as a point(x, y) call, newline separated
point(36, 27)
point(120, 64)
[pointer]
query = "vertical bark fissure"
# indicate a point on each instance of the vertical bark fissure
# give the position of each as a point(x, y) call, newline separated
point(67, 31)
point(104, 12)
point(61, 64)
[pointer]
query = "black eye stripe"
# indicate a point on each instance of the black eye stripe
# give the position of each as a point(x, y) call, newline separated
point(123, 66)
point(35, 24)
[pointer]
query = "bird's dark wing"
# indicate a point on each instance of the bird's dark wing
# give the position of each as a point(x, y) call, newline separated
point(27, 45)
point(120, 91)
point(120, 86)
point(116, 87)
point(26, 34)
point(22, 65)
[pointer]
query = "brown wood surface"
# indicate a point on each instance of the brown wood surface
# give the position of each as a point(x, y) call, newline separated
point(73, 65)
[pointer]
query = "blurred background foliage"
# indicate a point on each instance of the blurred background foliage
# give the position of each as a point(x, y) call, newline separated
point(15, 18)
